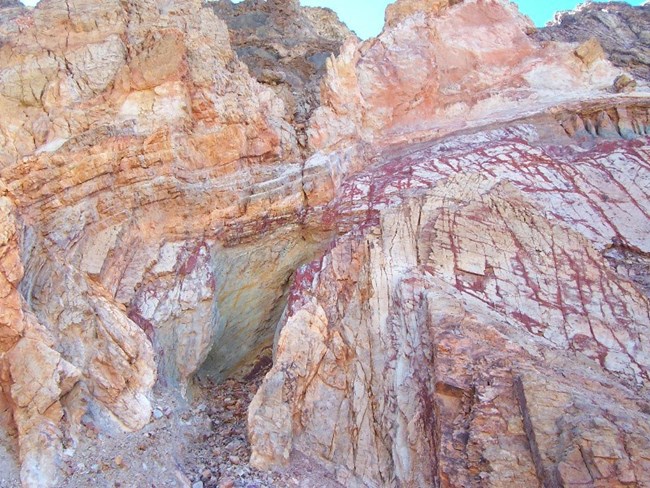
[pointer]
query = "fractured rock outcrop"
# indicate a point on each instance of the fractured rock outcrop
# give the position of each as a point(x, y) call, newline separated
point(476, 202)
point(466, 62)
point(286, 47)
point(135, 149)
point(483, 319)
point(623, 32)
point(412, 338)
point(33, 375)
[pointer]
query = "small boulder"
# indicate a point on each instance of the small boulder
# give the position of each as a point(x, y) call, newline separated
point(624, 84)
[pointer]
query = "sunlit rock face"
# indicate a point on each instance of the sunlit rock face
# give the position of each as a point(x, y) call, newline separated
point(286, 47)
point(466, 62)
point(468, 329)
point(482, 318)
point(622, 30)
point(445, 229)
point(141, 165)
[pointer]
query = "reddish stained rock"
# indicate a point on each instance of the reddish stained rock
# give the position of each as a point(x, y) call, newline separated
point(471, 258)
point(370, 337)
point(474, 208)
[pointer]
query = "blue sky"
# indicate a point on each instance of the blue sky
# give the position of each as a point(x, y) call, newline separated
point(366, 17)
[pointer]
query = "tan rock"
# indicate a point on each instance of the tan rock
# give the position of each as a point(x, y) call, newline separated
point(621, 29)
point(480, 319)
point(403, 9)
point(160, 59)
point(177, 123)
point(33, 376)
point(590, 51)
point(464, 63)
point(624, 83)
point(406, 333)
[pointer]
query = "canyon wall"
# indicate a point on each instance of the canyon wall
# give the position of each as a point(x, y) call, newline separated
point(445, 229)
point(141, 163)
point(482, 317)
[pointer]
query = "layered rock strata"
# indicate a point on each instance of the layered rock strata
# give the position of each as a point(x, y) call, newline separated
point(477, 201)
point(468, 330)
point(138, 153)
point(483, 318)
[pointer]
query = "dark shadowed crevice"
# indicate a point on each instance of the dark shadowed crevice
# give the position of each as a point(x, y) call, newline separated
point(631, 264)
point(285, 46)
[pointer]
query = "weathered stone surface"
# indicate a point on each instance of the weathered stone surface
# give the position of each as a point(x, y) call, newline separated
point(135, 148)
point(286, 47)
point(91, 347)
point(404, 9)
point(466, 62)
point(9, 10)
point(175, 138)
point(478, 315)
point(483, 318)
point(33, 375)
point(590, 51)
point(402, 349)
point(622, 30)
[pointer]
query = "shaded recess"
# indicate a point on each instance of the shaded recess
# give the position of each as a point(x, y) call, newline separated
point(251, 289)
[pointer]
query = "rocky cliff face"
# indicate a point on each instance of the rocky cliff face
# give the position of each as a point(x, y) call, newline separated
point(470, 326)
point(286, 47)
point(622, 30)
point(137, 151)
point(445, 82)
point(445, 228)
point(461, 323)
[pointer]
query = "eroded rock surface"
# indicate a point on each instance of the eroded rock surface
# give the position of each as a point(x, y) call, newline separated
point(33, 374)
point(452, 297)
point(286, 47)
point(476, 202)
point(136, 151)
point(623, 32)
point(466, 62)
point(483, 318)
